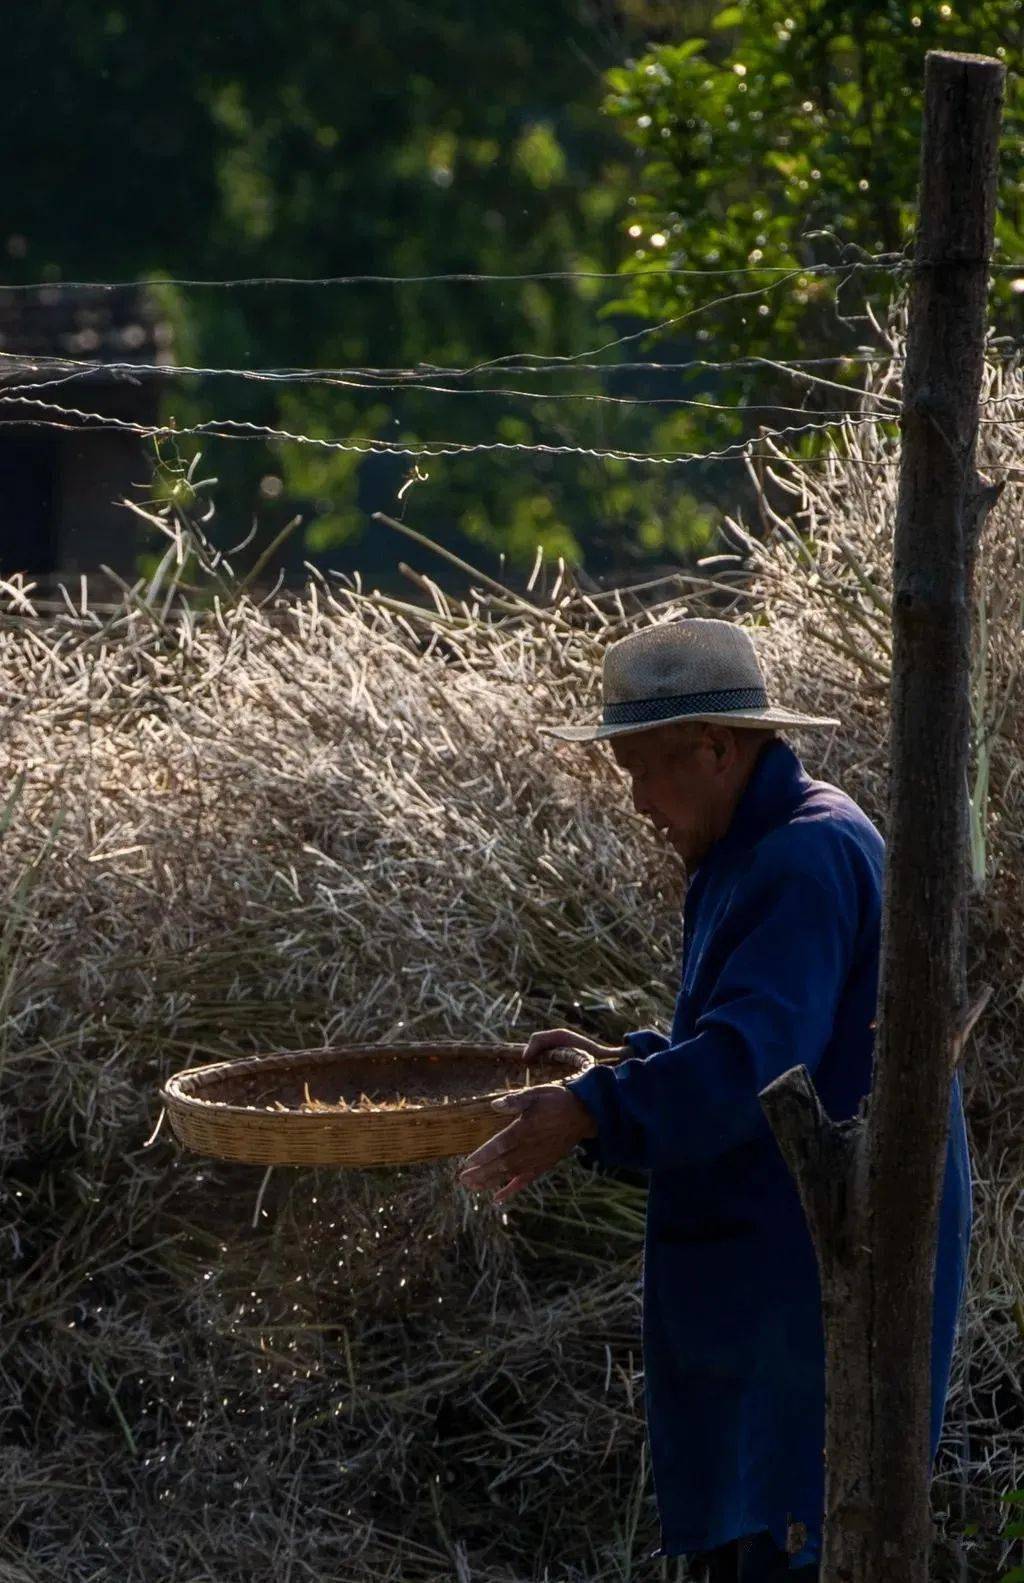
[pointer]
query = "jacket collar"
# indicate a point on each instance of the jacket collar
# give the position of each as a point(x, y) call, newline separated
point(775, 786)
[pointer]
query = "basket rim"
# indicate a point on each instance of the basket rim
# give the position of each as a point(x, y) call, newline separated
point(172, 1094)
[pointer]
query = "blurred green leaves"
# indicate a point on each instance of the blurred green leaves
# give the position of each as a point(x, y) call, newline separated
point(397, 140)
point(538, 154)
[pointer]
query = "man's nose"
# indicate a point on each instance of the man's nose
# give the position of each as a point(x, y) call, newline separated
point(639, 802)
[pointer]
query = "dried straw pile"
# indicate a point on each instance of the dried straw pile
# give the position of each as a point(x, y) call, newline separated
point(247, 826)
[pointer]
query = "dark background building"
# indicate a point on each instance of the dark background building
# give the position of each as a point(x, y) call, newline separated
point(60, 486)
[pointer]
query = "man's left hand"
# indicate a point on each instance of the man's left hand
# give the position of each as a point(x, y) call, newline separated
point(549, 1122)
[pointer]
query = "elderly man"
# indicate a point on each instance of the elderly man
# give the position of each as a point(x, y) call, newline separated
point(779, 968)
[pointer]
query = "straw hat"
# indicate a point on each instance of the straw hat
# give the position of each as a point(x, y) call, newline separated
point(693, 669)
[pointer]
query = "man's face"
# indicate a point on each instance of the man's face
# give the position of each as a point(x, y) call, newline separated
point(684, 779)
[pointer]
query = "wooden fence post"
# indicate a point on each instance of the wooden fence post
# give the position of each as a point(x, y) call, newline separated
point(871, 1187)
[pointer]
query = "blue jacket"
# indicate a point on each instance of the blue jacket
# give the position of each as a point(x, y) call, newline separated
point(780, 968)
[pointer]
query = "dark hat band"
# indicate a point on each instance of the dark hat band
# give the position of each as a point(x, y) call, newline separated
point(636, 711)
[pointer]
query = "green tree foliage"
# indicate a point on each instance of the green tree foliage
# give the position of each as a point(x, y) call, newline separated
point(789, 135)
point(418, 139)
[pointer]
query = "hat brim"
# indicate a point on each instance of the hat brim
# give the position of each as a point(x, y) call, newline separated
point(774, 715)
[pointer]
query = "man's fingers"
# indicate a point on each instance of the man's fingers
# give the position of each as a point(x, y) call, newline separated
point(489, 1162)
point(548, 1039)
point(493, 1149)
point(515, 1186)
point(484, 1176)
point(540, 1135)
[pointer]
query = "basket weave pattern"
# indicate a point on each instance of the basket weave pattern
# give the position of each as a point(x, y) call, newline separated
point(224, 1110)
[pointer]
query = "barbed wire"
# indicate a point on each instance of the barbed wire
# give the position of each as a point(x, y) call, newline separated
point(416, 381)
point(410, 378)
point(518, 361)
point(884, 262)
point(232, 428)
point(834, 415)
point(506, 363)
point(761, 448)
point(456, 278)
point(333, 382)
point(437, 370)
point(529, 359)
point(424, 378)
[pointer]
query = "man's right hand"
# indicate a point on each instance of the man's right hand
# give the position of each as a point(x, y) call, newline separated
point(565, 1038)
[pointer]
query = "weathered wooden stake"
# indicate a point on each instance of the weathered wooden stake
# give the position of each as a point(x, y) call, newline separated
point(871, 1187)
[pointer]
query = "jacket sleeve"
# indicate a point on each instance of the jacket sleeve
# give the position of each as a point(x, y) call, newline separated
point(772, 1007)
point(643, 1042)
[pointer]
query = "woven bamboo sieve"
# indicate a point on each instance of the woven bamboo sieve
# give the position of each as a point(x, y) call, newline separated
point(224, 1110)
